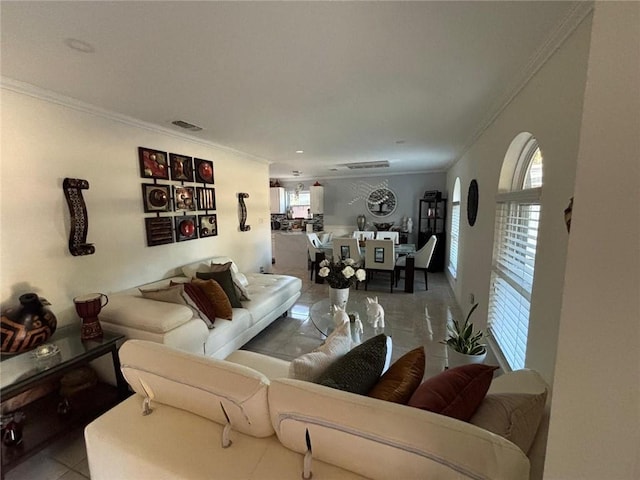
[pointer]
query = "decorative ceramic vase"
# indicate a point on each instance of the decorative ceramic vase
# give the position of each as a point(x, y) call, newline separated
point(361, 222)
point(339, 297)
point(27, 326)
point(88, 307)
point(456, 359)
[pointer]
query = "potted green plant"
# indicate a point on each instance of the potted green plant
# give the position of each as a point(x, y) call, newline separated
point(463, 344)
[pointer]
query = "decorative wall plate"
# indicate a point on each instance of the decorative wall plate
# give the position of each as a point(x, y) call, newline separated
point(186, 228)
point(156, 198)
point(153, 163)
point(204, 171)
point(382, 202)
point(472, 202)
point(184, 198)
point(181, 167)
point(159, 230)
point(206, 198)
point(208, 225)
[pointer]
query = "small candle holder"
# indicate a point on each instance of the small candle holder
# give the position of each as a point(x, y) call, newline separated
point(47, 355)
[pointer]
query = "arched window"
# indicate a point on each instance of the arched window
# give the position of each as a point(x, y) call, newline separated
point(514, 250)
point(455, 229)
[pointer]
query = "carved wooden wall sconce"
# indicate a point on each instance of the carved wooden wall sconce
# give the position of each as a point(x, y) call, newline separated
point(79, 222)
point(243, 212)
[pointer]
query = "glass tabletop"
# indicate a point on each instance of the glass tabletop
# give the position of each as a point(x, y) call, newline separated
point(65, 347)
point(322, 318)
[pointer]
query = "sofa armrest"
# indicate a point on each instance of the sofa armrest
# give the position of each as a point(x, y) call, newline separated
point(145, 314)
point(382, 440)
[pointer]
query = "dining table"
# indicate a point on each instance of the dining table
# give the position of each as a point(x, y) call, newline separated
point(401, 249)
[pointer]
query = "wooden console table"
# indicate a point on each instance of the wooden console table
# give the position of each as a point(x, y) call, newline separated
point(43, 424)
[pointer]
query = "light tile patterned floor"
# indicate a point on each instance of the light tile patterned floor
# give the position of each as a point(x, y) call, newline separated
point(292, 336)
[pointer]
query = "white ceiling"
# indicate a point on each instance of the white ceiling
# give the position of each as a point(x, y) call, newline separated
point(412, 83)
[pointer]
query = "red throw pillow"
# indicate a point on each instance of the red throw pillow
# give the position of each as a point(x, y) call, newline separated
point(456, 392)
point(205, 308)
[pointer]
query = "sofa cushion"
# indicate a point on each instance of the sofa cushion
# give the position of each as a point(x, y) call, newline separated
point(383, 440)
point(359, 370)
point(197, 300)
point(515, 416)
point(456, 392)
point(216, 296)
point(144, 314)
point(311, 365)
point(226, 282)
point(403, 377)
point(198, 384)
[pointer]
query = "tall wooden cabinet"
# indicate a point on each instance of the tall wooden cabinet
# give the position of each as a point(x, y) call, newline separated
point(432, 219)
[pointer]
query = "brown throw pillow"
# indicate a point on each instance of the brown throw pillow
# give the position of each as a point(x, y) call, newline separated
point(225, 281)
point(217, 296)
point(401, 380)
point(200, 302)
point(456, 392)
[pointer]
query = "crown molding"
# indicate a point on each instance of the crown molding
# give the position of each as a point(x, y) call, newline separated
point(564, 29)
point(30, 90)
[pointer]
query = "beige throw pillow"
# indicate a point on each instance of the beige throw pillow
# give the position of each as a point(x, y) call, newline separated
point(172, 294)
point(311, 365)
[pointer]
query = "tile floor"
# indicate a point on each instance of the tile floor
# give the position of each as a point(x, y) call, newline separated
point(416, 319)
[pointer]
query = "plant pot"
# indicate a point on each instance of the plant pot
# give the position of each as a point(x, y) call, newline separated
point(338, 297)
point(456, 359)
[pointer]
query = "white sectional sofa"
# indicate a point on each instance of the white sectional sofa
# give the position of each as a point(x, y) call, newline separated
point(187, 408)
point(175, 325)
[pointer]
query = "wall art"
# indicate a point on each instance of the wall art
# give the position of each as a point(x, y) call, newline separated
point(243, 212)
point(153, 163)
point(186, 228)
point(206, 198)
point(156, 198)
point(159, 230)
point(181, 167)
point(204, 170)
point(184, 198)
point(79, 220)
point(208, 225)
point(472, 202)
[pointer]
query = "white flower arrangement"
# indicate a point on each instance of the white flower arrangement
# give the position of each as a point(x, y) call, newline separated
point(342, 273)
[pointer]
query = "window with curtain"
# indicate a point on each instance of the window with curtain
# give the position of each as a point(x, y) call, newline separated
point(300, 202)
point(455, 229)
point(514, 253)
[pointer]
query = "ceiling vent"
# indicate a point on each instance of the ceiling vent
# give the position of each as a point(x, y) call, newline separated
point(361, 165)
point(187, 126)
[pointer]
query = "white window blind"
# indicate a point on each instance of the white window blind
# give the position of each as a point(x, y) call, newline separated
point(513, 272)
point(453, 244)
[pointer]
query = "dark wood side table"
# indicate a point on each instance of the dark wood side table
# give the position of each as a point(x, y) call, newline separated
point(43, 424)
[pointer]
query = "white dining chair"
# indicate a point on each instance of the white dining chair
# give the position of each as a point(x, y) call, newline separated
point(395, 236)
point(313, 247)
point(347, 248)
point(422, 259)
point(326, 238)
point(380, 256)
point(363, 235)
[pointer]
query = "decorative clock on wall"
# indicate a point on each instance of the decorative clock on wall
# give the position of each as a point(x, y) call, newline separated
point(382, 202)
point(472, 202)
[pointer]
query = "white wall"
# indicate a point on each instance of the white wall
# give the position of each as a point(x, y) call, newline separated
point(595, 414)
point(43, 142)
point(550, 107)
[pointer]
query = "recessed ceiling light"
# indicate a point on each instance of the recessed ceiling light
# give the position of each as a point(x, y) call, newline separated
point(79, 45)
point(299, 151)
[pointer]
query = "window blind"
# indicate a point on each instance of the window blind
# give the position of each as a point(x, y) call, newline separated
point(512, 276)
point(453, 244)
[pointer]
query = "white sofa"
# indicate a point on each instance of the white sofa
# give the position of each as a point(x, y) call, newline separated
point(177, 326)
point(352, 436)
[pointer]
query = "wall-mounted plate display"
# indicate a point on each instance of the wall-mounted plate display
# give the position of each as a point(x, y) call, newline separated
point(184, 198)
point(181, 167)
point(382, 202)
point(156, 198)
point(186, 228)
point(208, 225)
point(204, 171)
point(206, 198)
point(153, 163)
point(159, 230)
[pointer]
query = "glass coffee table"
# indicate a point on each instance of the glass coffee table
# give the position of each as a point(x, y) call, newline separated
point(322, 318)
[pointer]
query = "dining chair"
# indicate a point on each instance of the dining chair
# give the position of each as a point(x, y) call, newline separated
point(363, 235)
point(395, 236)
point(422, 260)
point(313, 247)
point(347, 248)
point(326, 238)
point(380, 256)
